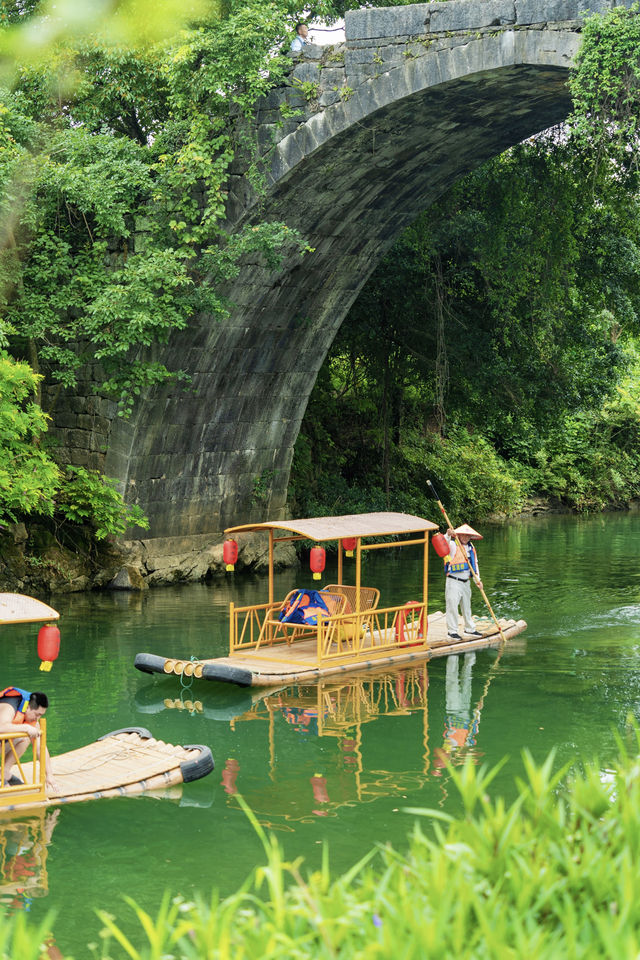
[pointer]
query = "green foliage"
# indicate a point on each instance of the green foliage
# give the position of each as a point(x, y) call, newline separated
point(592, 459)
point(307, 88)
point(33, 27)
point(487, 348)
point(469, 475)
point(20, 937)
point(87, 497)
point(32, 483)
point(116, 136)
point(113, 193)
point(553, 874)
point(605, 86)
point(28, 476)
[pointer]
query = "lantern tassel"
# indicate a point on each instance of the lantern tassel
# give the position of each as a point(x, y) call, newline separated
point(46, 665)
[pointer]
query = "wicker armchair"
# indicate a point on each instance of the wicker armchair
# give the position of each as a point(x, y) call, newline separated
point(369, 596)
point(352, 630)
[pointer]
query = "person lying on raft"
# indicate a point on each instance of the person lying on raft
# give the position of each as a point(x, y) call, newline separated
point(22, 707)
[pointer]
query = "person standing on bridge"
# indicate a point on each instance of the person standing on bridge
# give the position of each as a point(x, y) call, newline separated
point(300, 39)
point(460, 565)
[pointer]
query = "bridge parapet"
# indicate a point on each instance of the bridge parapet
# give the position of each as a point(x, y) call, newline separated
point(381, 40)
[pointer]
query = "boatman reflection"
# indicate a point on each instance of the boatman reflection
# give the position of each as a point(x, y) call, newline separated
point(460, 724)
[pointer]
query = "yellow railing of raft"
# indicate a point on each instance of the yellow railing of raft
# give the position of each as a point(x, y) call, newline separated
point(33, 788)
point(348, 637)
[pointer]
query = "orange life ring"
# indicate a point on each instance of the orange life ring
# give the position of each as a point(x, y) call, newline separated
point(401, 625)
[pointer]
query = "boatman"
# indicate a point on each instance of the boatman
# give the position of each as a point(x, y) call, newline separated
point(20, 707)
point(460, 565)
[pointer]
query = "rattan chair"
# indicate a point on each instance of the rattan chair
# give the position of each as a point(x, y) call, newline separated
point(348, 629)
point(369, 596)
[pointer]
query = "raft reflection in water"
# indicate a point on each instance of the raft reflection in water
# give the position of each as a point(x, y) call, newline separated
point(355, 773)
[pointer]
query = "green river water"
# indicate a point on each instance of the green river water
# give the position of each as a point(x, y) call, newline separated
point(336, 763)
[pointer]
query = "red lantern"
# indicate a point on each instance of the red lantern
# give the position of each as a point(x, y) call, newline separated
point(349, 545)
point(230, 553)
point(319, 787)
point(229, 775)
point(48, 645)
point(317, 559)
point(440, 544)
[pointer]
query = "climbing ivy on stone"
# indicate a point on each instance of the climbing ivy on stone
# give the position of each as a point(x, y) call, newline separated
point(605, 86)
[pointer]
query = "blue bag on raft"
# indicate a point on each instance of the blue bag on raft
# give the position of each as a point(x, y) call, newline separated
point(304, 607)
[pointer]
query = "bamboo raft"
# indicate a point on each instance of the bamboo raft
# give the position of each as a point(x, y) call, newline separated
point(123, 763)
point(349, 631)
point(278, 665)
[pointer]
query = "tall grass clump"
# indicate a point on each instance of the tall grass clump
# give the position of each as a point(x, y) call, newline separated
point(552, 874)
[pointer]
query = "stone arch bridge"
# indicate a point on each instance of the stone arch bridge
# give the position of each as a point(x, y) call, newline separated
point(416, 97)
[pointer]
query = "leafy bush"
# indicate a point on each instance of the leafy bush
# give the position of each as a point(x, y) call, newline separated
point(31, 483)
point(471, 478)
point(28, 476)
point(86, 497)
point(593, 459)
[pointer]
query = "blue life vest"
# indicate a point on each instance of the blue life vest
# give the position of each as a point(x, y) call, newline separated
point(304, 607)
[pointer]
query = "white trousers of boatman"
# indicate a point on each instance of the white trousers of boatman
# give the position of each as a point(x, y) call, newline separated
point(458, 594)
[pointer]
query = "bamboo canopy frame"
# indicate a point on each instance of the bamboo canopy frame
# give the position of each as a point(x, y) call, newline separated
point(358, 525)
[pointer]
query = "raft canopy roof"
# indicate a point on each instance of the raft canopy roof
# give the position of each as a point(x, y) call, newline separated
point(17, 608)
point(338, 528)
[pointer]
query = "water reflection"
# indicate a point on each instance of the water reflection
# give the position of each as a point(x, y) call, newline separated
point(359, 767)
point(461, 725)
point(24, 841)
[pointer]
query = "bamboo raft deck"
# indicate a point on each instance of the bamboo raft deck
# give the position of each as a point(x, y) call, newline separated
point(297, 662)
point(123, 763)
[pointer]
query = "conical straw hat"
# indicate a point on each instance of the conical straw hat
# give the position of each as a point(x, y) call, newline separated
point(469, 531)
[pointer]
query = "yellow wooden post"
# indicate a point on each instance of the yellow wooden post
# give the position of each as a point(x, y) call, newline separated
point(425, 582)
point(358, 626)
point(42, 754)
point(271, 566)
point(232, 625)
point(271, 589)
point(340, 562)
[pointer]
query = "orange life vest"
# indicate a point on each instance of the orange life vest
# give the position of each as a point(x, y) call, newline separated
point(460, 561)
point(12, 692)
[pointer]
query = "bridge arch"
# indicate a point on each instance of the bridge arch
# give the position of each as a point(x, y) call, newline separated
point(350, 176)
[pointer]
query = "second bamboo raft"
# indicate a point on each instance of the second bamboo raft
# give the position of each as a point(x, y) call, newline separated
point(122, 763)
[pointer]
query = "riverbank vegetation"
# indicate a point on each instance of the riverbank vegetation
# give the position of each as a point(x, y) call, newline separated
point(552, 874)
